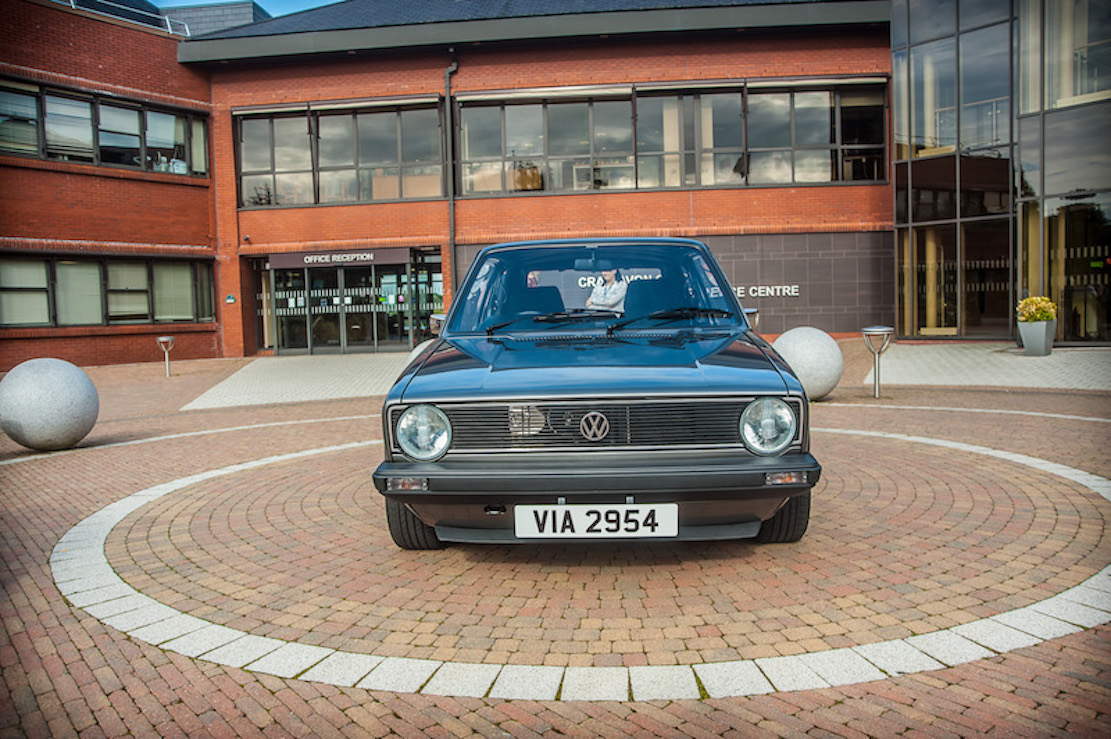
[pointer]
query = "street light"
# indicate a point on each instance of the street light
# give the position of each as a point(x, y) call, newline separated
point(166, 343)
point(887, 333)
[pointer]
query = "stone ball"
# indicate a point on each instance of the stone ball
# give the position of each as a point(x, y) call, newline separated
point(47, 404)
point(815, 358)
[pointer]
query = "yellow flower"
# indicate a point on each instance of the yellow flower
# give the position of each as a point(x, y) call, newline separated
point(1036, 308)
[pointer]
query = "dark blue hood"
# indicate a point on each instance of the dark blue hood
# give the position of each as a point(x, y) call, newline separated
point(656, 364)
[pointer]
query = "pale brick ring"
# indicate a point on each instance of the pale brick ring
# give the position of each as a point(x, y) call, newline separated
point(84, 576)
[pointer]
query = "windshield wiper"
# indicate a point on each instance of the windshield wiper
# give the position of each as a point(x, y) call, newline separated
point(673, 314)
point(560, 316)
point(574, 314)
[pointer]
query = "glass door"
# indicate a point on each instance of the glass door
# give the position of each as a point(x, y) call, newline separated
point(290, 308)
point(358, 309)
point(391, 308)
point(325, 312)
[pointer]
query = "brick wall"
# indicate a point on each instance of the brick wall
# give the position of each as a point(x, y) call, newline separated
point(96, 345)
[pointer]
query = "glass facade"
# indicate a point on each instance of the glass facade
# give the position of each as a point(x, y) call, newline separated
point(1002, 126)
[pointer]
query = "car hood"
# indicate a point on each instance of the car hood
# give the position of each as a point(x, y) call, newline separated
point(481, 368)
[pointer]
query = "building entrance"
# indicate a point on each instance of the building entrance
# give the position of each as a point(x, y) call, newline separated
point(348, 308)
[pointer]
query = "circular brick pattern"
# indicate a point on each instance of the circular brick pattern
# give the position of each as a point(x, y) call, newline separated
point(298, 551)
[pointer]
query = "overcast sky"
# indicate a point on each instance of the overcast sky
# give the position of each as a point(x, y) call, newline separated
point(273, 7)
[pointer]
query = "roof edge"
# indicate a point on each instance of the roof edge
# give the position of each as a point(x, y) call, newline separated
point(852, 12)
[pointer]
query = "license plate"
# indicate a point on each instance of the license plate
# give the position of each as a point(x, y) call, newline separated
point(606, 521)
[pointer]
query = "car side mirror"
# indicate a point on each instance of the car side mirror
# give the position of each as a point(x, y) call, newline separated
point(436, 323)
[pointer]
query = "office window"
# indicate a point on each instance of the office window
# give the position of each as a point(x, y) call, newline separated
point(166, 145)
point(24, 298)
point(128, 292)
point(118, 136)
point(69, 129)
point(65, 125)
point(19, 121)
point(695, 139)
point(331, 157)
point(83, 291)
point(79, 293)
point(661, 145)
point(339, 180)
point(173, 291)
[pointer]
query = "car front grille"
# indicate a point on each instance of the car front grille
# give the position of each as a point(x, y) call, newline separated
point(628, 424)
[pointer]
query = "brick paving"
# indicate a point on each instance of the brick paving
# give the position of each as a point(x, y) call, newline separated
point(907, 540)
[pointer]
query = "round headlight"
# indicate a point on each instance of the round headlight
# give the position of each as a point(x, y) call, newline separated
point(423, 432)
point(768, 426)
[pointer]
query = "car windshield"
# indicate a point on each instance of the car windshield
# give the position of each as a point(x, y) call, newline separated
point(593, 287)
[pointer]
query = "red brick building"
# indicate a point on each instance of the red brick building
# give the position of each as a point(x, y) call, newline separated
point(361, 153)
point(106, 217)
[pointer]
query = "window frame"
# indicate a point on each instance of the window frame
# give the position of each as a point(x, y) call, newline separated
point(194, 124)
point(692, 153)
point(397, 169)
point(201, 290)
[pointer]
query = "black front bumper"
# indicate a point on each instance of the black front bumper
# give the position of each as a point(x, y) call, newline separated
point(720, 495)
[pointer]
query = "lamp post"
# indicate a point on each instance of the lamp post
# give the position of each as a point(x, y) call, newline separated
point(886, 333)
point(166, 343)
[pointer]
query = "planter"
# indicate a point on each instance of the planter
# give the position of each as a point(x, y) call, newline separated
point(1037, 336)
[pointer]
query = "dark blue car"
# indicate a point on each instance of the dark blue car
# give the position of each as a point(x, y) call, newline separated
point(596, 389)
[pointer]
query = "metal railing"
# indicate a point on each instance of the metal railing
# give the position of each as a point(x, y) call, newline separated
point(123, 12)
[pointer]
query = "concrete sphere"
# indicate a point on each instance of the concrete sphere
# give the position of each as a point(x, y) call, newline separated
point(47, 404)
point(815, 358)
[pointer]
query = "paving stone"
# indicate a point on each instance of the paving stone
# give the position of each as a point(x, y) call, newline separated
point(1090, 596)
point(143, 616)
point(342, 668)
point(400, 674)
point(897, 657)
point(463, 679)
point(729, 679)
point(1072, 612)
point(842, 667)
point(790, 673)
point(203, 640)
point(128, 603)
point(948, 647)
point(101, 594)
point(167, 629)
point(289, 660)
point(663, 682)
point(595, 684)
point(528, 682)
point(243, 652)
point(1039, 624)
point(995, 635)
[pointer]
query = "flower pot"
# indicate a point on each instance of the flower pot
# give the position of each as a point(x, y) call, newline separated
point(1037, 336)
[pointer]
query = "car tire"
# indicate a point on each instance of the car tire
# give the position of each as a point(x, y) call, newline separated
point(408, 531)
point(789, 523)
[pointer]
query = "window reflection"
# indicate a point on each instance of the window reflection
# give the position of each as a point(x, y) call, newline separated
point(1070, 166)
point(1078, 51)
point(768, 120)
point(934, 98)
point(986, 87)
point(1078, 265)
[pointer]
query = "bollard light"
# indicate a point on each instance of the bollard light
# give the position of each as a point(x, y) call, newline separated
point(166, 343)
point(884, 335)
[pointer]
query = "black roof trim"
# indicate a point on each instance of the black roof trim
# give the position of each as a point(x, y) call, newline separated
point(670, 20)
